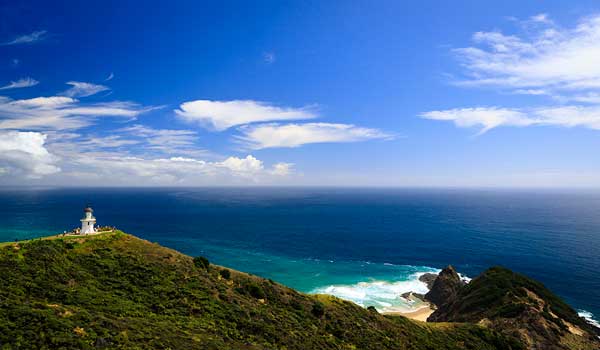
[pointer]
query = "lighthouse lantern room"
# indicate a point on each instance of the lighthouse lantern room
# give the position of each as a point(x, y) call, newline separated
point(88, 221)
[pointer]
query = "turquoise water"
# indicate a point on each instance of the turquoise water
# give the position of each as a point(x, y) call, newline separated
point(365, 245)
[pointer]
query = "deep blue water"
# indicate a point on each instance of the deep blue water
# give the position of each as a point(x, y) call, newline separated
point(363, 244)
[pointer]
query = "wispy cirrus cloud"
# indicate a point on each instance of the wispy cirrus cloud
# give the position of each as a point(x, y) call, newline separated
point(28, 38)
point(110, 77)
point(222, 115)
point(548, 60)
point(168, 141)
point(547, 56)
point(21, 83)
point(487, 118)
point(61, 112)
point(82, 89)
point(295, 135)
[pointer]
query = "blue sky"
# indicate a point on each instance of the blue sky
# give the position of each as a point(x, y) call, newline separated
point(300, 93)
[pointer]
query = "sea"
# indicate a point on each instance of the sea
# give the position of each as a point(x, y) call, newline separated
point(361, 244)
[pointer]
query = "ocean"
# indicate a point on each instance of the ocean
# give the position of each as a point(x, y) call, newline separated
point(364, 245)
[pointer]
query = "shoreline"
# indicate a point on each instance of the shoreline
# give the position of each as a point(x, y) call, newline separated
point(420, 314)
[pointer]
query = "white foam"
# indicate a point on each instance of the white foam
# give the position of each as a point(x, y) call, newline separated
point(464, 278)
point(383, 295)
point(588, 317)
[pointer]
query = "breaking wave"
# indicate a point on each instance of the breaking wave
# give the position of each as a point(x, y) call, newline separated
point(588, 317)
point(385, 296)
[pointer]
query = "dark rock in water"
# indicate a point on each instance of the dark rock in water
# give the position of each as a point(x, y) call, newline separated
point(428, 279)
point(413, 295)
point(445, 287)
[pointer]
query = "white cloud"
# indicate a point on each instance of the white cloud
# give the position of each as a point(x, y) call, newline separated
point(550, 61)
point(541, 18)
point(590, 97)
point(294, 135)
point(248, 165)
point(28, 38)
point(60, 112)
point(110, 77)
point(21, 83)
point(133, 170)
point(25, 153)
point(165, 140)
point(492, 117)
point(81, 89)
point(282, 169)
point(486, 118)
point(221, 115)
point(535, 92)
point(111, 141)
point(550, 57)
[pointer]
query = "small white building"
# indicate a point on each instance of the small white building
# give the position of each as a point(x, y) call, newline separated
point(88, 222)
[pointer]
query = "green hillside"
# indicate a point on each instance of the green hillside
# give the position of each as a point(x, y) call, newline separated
point(114, 290)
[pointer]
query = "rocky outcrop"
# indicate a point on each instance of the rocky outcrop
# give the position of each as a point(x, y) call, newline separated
point(413, 296)
point(514, 305)
point(428, 279)
point(445, 287)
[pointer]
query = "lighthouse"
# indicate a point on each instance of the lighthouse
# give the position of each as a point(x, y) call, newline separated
point(88, 221)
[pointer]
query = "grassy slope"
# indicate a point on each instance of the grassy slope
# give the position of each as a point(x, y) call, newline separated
point(520, 306)
point(119, 291)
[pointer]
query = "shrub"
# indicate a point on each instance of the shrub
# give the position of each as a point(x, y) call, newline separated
point(296, 304)
point(255, 290)
point(201, 262)
point(318, 309)
point(225, 274)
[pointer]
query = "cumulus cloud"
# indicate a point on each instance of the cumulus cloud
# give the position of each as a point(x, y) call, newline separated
point(24, 153)
point(248, 165)
point(282, 169)
point(82, 89)
point(549, 57)
point(21, 83)
point(221, 115)
point(60, 112)
point(28, 38)
point(295, 135)
point(492, 117)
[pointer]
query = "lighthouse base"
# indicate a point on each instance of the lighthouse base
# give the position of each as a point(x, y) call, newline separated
point(87, 227)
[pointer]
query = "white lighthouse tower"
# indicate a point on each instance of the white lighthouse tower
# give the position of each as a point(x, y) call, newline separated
point(88, 221)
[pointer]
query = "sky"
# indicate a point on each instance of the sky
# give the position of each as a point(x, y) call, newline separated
point(300, 93)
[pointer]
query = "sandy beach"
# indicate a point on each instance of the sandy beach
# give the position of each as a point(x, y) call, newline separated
point(419, 314)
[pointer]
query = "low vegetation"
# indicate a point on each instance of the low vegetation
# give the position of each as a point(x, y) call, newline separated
point(113, 290)
point(521, 308)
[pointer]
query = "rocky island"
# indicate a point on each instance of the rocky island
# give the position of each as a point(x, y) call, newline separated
point(113, 290)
